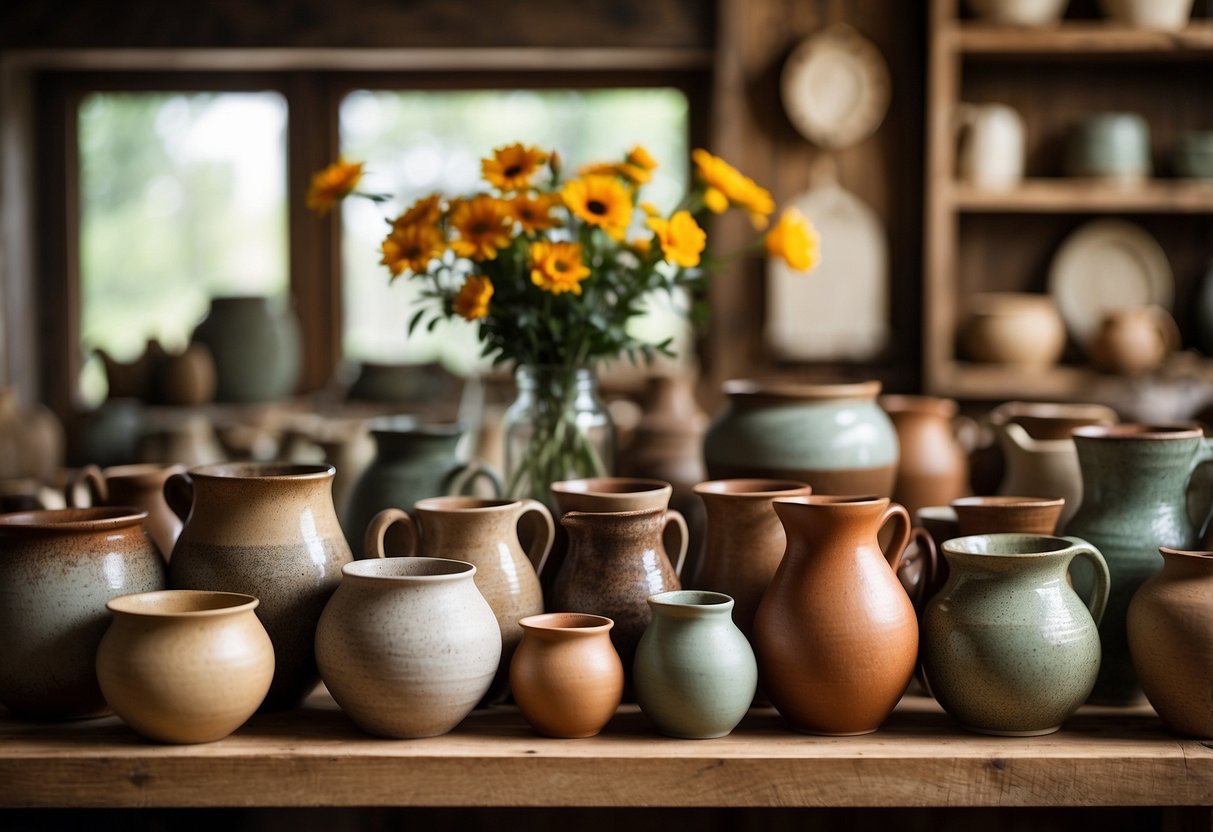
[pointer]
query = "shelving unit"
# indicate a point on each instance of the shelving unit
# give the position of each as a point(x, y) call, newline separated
point(978, 240)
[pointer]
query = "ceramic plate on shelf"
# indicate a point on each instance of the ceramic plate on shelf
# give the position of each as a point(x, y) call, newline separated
point(835, 87)
point(1107, 265)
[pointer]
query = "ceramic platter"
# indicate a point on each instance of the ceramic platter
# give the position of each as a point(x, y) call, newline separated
point(835, 87)
point(1107, 265)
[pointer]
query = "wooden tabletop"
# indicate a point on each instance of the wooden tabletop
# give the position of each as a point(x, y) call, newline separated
point(315, 756)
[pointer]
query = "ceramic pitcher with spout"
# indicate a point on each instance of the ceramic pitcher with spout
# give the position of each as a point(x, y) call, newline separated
point(1135, 482)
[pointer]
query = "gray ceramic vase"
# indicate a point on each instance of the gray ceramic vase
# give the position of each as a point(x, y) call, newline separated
point(256, 346)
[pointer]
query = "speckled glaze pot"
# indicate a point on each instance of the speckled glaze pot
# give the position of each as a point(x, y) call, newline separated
point(58, 569)
point(408, 646)
point(1006, 515)
point(483, 533)
point(614, 564)
point(695, 672)
point(141, 486)
point(185, 666)
point(744, 541)
point(566, 677)
point(267, 530)
point(1008, 647)
point(1170, 629)
point(1135, 479)
point(836, 635)
point(832, 436)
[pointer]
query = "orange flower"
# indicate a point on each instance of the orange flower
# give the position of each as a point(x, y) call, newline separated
point(725, 185)
point(681, 238)
point(425, 211)
point(411, 247)
point(472, 302)
point(795, 240)
point(333, 184)
point(600, 201)
point(512, 167)
point(557, 267)
point(483, 224)
point(534, 213)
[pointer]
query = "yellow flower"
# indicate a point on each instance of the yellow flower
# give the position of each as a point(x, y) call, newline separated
point(557, 267)
point(681, 238)
point(534, 213)
point(333, 184)
point(639, 157)
point(483, 224)
point(601, 201)
point(512, 167)
point(411, 247)
point(725, 185)
point(642, 245)
point(425, 211)
point(649, 209)
point(472, 302)
point(599, 169)
point(795, 240)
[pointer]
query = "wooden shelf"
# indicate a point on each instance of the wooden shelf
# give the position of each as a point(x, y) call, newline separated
point(1079, 197)
point(993, 382)
point(1082, 38)
point(316, 757)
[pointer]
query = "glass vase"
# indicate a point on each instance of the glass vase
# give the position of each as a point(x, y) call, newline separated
point(557, 429)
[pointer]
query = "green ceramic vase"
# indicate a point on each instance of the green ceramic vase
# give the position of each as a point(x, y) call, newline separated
point(695, 673)
point(256, 346)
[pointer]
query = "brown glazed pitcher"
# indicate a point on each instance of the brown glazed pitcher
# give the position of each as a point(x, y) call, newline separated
point(484, 533)
point(132, 485)
point(836, 635)
point(268, 530)
point(614, 563)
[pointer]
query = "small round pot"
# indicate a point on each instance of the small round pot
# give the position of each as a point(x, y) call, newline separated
point(1021, 330)
point(185, 666)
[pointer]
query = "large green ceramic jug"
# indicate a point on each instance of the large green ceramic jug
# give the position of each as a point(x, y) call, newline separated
point(1135, 480)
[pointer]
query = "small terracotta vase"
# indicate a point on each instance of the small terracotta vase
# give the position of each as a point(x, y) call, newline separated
point(408, 646)
point(744, 542)
point(185, 666)
point(695, 672)
point(1170, 627)
point(615, 562)
point(1134, 340)
point(836, 635)
point(997, 515)
point(186, 378)
point(59, 569)
point(933, 469)
point(141, 486)
point(566, 677)
point(483, 533)
point(267, 530)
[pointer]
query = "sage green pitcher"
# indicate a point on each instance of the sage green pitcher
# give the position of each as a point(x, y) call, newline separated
point(1135, 481)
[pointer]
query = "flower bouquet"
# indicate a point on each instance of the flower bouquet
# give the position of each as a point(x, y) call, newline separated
point(553, 268)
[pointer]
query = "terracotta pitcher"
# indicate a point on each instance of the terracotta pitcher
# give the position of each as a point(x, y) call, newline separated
point(615, 562)
point(483, 533)
point(132, 485)
point(267, 530)
point(1135, 481)
point(934, 468)
point(836, 635)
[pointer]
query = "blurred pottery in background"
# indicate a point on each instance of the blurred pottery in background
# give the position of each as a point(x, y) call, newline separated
point(141, 486)
point(1134, 340)
point(1150, 14)
point(1017, 329)
point(999, 515)
point(187, 377)
point(1019, 12)
point(256, 348)
point(1113, 147)
point(934, 467)
point(31, 440)
point(1194, 156)
point(991, 146)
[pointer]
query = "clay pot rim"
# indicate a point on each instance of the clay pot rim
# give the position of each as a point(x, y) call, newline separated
point(1194, 554)
point(1001, 501)
point(941, 514)
point(763, 488)
point(152, 472)
point(403, 423)
point(370, 569)
point(567, 622)
point(95, 519)
point(464, 505)
point(692, 599)
point(1138, 430)
point(844, 501)
point(262, 472)
point(144, 604)
point(614, 486)
point(612, 515)
point(904, 403)
point(789, 392)
point(1049, 545)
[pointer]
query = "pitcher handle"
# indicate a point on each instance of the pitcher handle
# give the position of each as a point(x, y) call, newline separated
point(179, 494)
point(376, 533)
point(1204, 453)
point(94, 480)
point(901, 536)
point(1103, 580)
point(541, 546)
point(926, 547)
point(673, 517)
point(460, 482)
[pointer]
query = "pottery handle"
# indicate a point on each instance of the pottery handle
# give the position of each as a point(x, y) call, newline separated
point(541, 546)
point(674, 518)
point(1204, 453)
point(461, 481)
point(377, 529)
point(930, 570)
point(1103, 580)
point(897, 513)
point(179, 494)
point(90, 476)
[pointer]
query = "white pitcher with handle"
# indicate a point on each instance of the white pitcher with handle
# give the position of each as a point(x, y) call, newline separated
point(991, 146)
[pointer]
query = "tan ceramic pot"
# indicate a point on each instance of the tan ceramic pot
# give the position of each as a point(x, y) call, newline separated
point(58, 569)
point(408, 646)
point(483, 533)
point(997, 515)
point(566, 677)
point(185, 666)
point(267, 530)
point(744, 542)
point(836, 635)
point(1134, 340)
point(132, 485)
point(1020, 330)
point(933, 469)
point(1170, 630)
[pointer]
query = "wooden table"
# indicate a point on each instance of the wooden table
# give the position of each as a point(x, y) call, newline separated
point(315, 756)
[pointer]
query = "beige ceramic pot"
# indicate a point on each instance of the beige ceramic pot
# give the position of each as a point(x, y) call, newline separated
point(1020, 330)
point(57, 571)
point(185, 666)
point(408, 646)
point(997, 515)
point(566, 677)
point(141, 486)
point(267, 530)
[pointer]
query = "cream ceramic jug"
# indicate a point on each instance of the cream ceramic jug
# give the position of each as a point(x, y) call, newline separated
point(991, 145)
